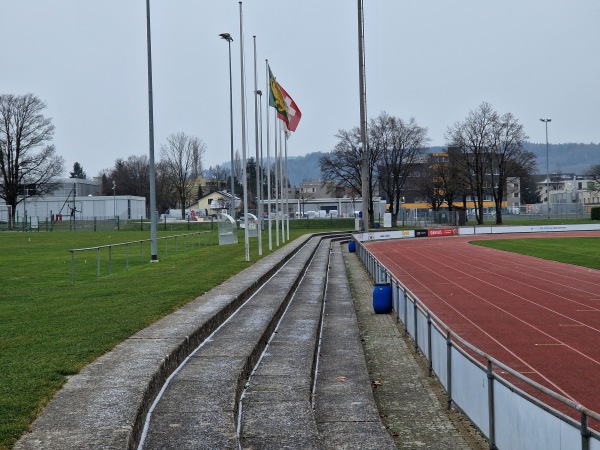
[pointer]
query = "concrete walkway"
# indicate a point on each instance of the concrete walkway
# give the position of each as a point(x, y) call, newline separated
point(411, 404)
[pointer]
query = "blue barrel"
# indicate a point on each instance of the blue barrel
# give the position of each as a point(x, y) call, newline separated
point(382, 298)
point(351, 246)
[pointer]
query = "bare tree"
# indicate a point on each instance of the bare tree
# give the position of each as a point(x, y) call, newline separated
point(470, 141)
point(237, 166)
point(28, 164)
point(594, 174)
point(342, 168)
point(181, 157)
point(131, 176)
point(488, 148)
point(508, 157)
point(219, 175)
point(433, 182)
point(400, 146)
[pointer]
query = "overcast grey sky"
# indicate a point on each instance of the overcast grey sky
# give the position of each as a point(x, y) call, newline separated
point(430, 59)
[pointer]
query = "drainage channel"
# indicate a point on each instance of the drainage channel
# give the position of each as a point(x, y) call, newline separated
point(282, 382)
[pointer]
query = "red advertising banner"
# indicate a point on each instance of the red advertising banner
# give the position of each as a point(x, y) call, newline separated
point(442, 232)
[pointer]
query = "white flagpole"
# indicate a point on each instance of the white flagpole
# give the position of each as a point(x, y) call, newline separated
point(282, 187)
point(244, 168)
point(287, 191)
point(258, 213)
point(276, 183)
point(268, 162)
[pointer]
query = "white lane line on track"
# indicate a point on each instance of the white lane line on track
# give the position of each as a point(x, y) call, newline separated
point(517, 267)
point(499, 288)
point(475, 325)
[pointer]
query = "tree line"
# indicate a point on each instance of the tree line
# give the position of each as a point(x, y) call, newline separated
point(484, 150)
point(177, 173)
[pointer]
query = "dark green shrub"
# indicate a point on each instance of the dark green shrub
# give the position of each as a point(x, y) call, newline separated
point(596, 213)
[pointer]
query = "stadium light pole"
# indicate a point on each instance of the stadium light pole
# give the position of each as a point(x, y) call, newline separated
point(229, 40)
point(547, 166)
point(365, 155)
point(153, 218)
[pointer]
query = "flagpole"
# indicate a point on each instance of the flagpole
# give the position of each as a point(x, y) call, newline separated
point(287, 191)
point(244, 168)
point(276, 184)
point(258, 215)
point(268, 164)
point(282, 187)
point(262, 158)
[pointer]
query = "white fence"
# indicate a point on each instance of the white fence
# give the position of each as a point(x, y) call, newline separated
point(506, 415)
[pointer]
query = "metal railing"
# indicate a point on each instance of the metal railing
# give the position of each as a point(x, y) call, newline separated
point(507, 415)
point(140, 248)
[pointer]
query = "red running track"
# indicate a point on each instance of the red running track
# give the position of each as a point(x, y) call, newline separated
point(542, 318)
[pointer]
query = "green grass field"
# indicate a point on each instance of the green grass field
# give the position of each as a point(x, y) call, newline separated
point(580, 251)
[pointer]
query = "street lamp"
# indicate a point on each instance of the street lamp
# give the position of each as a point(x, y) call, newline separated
point(114, 188)
point(229, 40)
point(547, 167)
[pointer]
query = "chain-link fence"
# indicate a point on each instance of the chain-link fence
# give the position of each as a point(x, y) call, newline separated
point(423, 217)
point(69, 223)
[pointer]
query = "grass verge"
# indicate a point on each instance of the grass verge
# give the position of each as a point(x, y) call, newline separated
point(580, 251)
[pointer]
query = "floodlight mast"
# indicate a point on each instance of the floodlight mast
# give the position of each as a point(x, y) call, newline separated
point(365, 182)
point(547, 166)
point(153, 218)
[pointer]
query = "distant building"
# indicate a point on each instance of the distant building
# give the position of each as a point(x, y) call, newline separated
point(82, 187)
point(313, 188)
point(569, 193)
point(216, 202)
point(80, 199)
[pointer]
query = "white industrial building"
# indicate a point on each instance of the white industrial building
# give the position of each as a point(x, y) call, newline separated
point(81, 199)
point(124, 207)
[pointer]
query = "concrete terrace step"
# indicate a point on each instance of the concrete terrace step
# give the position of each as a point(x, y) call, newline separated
point(276, 407)
point(345, 409)
point(199, 407)
point(279, 410)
